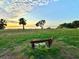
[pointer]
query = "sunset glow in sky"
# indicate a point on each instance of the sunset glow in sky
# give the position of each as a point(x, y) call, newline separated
point(54, 12)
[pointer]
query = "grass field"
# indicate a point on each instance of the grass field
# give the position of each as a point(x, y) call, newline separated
point(17, 43)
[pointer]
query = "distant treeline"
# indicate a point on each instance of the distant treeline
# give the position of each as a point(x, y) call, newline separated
point(22, 21)
point(41, 23)
point(74, 24)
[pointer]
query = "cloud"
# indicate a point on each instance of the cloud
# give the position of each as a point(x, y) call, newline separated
point(4, 13)
point(55, 0)
point(16, 8)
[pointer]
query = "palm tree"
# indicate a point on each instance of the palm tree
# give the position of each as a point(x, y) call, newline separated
point(2, 24)
point(41, 23)
point(22, 21)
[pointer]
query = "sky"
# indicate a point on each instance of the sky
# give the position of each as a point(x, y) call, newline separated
point(54, 12)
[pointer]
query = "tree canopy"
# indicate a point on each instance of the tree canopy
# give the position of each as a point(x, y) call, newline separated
point(2, 23)
point(41, 23)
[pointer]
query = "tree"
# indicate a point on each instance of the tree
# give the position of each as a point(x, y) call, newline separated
point(75, 24)
point(49, 28)
point(22, 21)
point(41, 23)
point(2, 24)
point(62, 25)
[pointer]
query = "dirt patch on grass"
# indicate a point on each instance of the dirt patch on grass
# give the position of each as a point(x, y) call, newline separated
point(66, 51)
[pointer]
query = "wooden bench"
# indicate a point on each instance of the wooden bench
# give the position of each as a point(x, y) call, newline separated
point(47, 41)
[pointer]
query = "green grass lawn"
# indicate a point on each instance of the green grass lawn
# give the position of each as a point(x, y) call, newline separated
point(65, 44)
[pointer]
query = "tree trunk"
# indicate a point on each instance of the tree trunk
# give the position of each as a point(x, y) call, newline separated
point(41, 27)
point(23, 27)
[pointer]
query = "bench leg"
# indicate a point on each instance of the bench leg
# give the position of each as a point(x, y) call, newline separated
point(33, 46)
point(49, 43)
